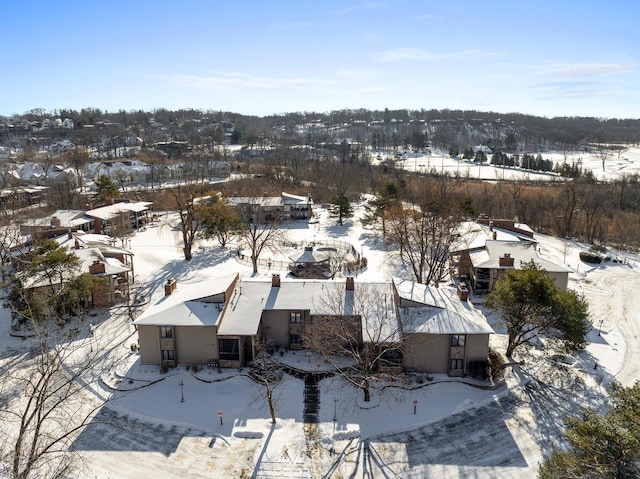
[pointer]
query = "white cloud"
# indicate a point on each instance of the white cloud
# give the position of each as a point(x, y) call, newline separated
point(419, 54)
point(578, 70)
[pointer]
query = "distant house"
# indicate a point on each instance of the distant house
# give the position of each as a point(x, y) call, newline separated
point(283, 207)
point(115, 275)
point(485, 250)
point(224, 321)
point(61, 146)
point(123, 215)
point(491, 263)
point(56, 224)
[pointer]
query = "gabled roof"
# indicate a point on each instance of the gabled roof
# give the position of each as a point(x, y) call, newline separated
point(520, 252)
point(188, 305)
point(68, 219)
point(111, 211)
point(290, 199)
point(430, 310)
point(472, 235)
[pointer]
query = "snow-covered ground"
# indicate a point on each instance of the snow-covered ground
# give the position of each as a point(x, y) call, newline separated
point(627, 163)
point(455, 430)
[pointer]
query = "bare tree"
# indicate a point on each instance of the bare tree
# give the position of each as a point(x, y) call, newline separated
point(424, 238)
point(267, 372)
point(358, 333)
point(259, 229)
point(78, 159)
point(45, 404)
point(184, 196)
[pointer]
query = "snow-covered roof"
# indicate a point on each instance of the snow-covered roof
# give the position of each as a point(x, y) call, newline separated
point(89, 255)
point(431, 320)
point(520, 252)
point(431, 310)
point(111, 211)
point(308, 256)
point(255, 200)
point(188, 305)
point(187, 313)
point(473, 235)
point(284, 199)
point(68, 219)
point(290, 199)
point(372, 301)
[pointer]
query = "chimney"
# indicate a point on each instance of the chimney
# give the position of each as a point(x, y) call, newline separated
point(350, 284)
point(490, 225)
point(495, 235)
point(97, 267)
point(69, 234)
point(463, 292)
point(55, 222)
point(76, 244)
point(506, 260)
point(170, 286)
point(275, 280)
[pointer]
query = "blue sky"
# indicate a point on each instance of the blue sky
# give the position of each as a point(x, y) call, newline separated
point(548, 58)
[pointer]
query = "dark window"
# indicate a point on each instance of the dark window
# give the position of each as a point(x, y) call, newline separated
point(458, 340)
point(457, 364)
point(294, 339)
point(166, 332)
point(229, 349)
point(296, 317)
point(167, 355)
point(391, 357)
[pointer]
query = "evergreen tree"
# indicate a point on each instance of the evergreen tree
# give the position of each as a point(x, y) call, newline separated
point(340, 208)
point(601, 446)
point(531, 305)
point(106, 190)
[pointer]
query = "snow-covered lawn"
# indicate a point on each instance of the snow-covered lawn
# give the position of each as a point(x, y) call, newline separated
point(456, 429)
point(628, 162)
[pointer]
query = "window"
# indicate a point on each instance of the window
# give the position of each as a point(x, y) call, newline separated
point(458, 340)
point(167, 355)
point(457, 364)
point(294, 339)
point(166, 332)
point(229, 349)
point(296, 317)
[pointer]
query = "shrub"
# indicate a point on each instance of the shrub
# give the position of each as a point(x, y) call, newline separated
point(478, 369)
point(496, 365)
point(592, 258)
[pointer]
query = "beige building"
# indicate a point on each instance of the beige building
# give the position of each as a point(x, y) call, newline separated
point(491, 263)
point(283, 208)
point(225, 321)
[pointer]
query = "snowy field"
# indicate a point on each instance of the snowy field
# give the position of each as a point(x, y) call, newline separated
point(627, 163)
point(457, 430)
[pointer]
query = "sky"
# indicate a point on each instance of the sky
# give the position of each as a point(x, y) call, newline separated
point(547, 58)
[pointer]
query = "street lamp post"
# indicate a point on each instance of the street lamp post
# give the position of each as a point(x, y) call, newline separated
point(181, 383)
point(335, 408)
point(600, 328)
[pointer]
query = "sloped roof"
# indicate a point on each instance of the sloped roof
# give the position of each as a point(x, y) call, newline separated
point(520, 252)
point(188, 305)
point(289, 199)
point(111, 211)
point(472, 235)
point(68, 219)
point(426, 309)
